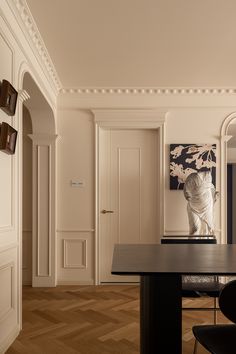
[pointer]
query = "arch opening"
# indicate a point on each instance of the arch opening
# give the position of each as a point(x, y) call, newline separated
point(231, 181)
point(225, 138)
point(38, 199)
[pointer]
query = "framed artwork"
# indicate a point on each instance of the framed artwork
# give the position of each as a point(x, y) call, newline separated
point(8, 136)
point(8, 98)
point(188, 158)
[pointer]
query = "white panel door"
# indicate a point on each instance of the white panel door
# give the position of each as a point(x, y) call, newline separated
point(129, 172)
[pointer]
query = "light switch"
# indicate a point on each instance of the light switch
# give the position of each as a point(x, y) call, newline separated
point(78, 184)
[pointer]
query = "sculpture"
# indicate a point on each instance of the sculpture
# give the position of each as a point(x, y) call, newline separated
point(201, 196)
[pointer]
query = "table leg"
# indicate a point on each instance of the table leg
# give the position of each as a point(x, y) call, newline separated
point(160, 314)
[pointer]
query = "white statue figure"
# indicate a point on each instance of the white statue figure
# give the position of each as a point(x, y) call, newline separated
point(201, 196)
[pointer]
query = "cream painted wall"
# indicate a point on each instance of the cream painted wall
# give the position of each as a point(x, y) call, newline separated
point(76, 147)
point(231, 155)
point(75, 205)
point(196, 124)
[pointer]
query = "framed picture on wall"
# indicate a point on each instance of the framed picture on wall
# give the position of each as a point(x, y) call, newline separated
point(8, 136)
point(8, 98)
point(188, 158)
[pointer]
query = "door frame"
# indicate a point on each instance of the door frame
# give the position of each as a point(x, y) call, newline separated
point(127, 119)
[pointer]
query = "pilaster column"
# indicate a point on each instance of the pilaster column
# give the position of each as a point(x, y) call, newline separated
point(44, 233)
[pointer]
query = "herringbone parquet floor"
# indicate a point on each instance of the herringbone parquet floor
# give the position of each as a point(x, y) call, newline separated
point(89, 320)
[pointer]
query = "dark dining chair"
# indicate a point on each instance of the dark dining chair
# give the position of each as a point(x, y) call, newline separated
point(220, 338)
point(198, 286)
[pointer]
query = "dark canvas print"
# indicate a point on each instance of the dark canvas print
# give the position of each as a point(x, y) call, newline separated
point(188, 158)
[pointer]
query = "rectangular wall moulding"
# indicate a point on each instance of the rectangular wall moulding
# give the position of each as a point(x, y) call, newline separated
point(75, 253)
point(129, 184)
point(43, 208)
point(6, 293)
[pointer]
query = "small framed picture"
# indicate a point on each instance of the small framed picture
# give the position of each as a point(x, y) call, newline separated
point(8, 136)
point(8, 98)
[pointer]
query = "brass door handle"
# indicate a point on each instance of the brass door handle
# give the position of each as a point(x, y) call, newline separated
point(107, 211)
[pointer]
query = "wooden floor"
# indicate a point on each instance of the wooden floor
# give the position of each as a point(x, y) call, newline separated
point(90, 320)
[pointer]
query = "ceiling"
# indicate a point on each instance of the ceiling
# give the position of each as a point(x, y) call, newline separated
point(139, 43)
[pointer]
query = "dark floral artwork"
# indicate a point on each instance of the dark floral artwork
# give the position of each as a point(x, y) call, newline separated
point(188, 158)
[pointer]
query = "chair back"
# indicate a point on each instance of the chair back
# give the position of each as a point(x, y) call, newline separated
point(193, 284)
point(227, 300)
point(201, 239)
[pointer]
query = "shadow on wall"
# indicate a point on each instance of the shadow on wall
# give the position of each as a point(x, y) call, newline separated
point(42, 116)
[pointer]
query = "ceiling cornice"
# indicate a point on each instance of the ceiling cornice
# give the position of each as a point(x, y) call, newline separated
point(150, 90)
point(30, 29)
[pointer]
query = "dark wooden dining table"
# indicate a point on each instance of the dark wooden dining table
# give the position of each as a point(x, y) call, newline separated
point(160, 268)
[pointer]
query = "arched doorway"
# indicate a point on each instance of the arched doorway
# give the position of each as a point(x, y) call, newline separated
point(227, 143)
point(231, 182)
point(38, 193)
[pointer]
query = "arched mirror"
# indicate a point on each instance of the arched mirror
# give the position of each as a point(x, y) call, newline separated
point(231, 183)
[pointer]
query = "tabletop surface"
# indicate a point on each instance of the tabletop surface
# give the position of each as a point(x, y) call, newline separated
point(130, 259)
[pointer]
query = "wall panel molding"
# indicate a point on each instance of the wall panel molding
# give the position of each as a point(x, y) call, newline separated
point(4, 248)
point(10, 47)
point(75, 257)
point(10, 226)
point(27, 257)
point(69, 246)
point(43, 208)
point(122, 153)
point(7, 292)
point(43, 215)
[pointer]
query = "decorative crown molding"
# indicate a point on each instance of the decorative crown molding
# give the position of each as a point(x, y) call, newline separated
point(149, 90)
point(28, 25)
point(23, 95)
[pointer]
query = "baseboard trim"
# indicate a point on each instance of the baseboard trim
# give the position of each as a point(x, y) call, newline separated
point(7, 342)
point(119, 283)
point(75, 282)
